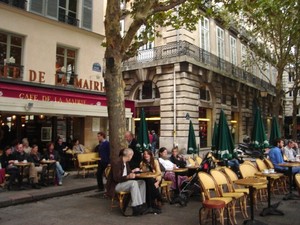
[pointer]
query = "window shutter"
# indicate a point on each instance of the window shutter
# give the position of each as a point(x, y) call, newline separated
point(87, 14)
point(36, 6)
point(52, 8)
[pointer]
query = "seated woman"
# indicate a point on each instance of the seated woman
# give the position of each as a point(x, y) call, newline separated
point(149, 164)
point(51, 154)
point(77, 147)
point(168, 166)
point(177, 159)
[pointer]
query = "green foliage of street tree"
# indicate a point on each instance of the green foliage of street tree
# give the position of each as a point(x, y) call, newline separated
point(275, 25)
point(152, 15)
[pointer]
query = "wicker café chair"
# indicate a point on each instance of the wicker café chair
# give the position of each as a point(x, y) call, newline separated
point(246, 171)
point(210, 191)
point(227, 191)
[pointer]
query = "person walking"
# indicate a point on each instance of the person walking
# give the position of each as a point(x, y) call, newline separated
point(103, 150)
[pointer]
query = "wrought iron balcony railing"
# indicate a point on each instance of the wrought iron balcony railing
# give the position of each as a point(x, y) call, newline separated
point(184, 48)
point(69, 20)
point(16, 3)
point(11, 70)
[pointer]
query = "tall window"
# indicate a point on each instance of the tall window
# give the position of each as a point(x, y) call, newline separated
point(220, 43)
point(67, 11)
point(204, 93)
point(147, 91)
point(10, 55)
point(233, 57)
point(65, 65)
point(87, 14)
point(44, 7)
point(146, 51)
point(204, 33)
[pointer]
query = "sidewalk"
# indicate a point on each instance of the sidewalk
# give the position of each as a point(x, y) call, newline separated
point(71, 184)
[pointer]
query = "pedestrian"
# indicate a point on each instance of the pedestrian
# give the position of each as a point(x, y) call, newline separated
point(103, 150)
point(154, 141)
point(137, 156)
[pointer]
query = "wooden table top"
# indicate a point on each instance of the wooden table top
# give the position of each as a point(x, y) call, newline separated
point(146, 175)
point(22, 163)
point(289, 164)
point(179, 170)
point(251, 181)
point(272, 175)
point(47, 161)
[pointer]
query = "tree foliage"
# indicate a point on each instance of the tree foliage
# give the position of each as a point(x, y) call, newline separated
point(152, 15)
point(275, 26)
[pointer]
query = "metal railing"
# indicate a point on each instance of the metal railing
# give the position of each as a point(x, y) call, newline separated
point(69, 20)
point(11, 70)
point(16, 3)
point(184, 48)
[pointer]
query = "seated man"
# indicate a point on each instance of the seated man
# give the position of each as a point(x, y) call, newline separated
point(121, 178)
point(36, 158)
point(20, 155)
point(276, 157)
point(289, 151)
point(177, 159)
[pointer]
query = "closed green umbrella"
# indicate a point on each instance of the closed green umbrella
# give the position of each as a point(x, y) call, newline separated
point(214, 137)
point(224, 145)
point(192, 147)
point(258, 137)
point(275, 131)
point(143, 137)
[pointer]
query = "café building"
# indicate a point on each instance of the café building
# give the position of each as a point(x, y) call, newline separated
point(51, 72)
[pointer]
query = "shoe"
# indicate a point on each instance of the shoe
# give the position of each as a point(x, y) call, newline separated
point(139, 210)
point(59, 183)
point(65, 174)
point(36, 186)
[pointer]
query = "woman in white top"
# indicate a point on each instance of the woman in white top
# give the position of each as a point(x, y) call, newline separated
point(77, 147)
point(169, 166)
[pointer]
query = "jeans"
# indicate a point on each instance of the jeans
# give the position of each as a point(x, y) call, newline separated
point(59, 171)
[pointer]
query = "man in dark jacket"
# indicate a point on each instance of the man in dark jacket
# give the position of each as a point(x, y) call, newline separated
point(137, 156)
point(121, 178)
point(7, 162)
point(103, 150)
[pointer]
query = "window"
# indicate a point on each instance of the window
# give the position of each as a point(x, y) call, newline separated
point(10, 55)
point(291, 75)
point(65, 65)
point(87, 12)
point(223, 96)
point(44, 7)
point(220, 43)
point(147, 91)
point(122, 28)
point(204, 94)
point(146, 51)
point(204, 34)
point(67, 12)
point(234, 101)
point(233, 57)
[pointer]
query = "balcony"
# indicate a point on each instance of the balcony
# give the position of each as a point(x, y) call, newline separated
point(65, 79)
point(12, 71)
point(211, 61)
point(69, 20)
point(16, 3)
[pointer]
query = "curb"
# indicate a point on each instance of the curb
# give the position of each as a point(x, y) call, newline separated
point(42, 196)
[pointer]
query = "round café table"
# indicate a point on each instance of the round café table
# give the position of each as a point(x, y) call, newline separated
point(290, 165)
point(178, 171)
point(251, 182)
point(22, 165)
point(48, 163)
point(271, 209)
point(145, 176)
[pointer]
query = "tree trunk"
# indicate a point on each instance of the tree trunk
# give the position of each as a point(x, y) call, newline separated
point(114, 86)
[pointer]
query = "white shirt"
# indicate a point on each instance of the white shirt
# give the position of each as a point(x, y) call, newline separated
point(124, 170)
point(166, 163)
point(289, 153)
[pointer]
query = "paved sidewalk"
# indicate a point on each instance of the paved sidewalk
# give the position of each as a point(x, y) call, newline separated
point(71, 184)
